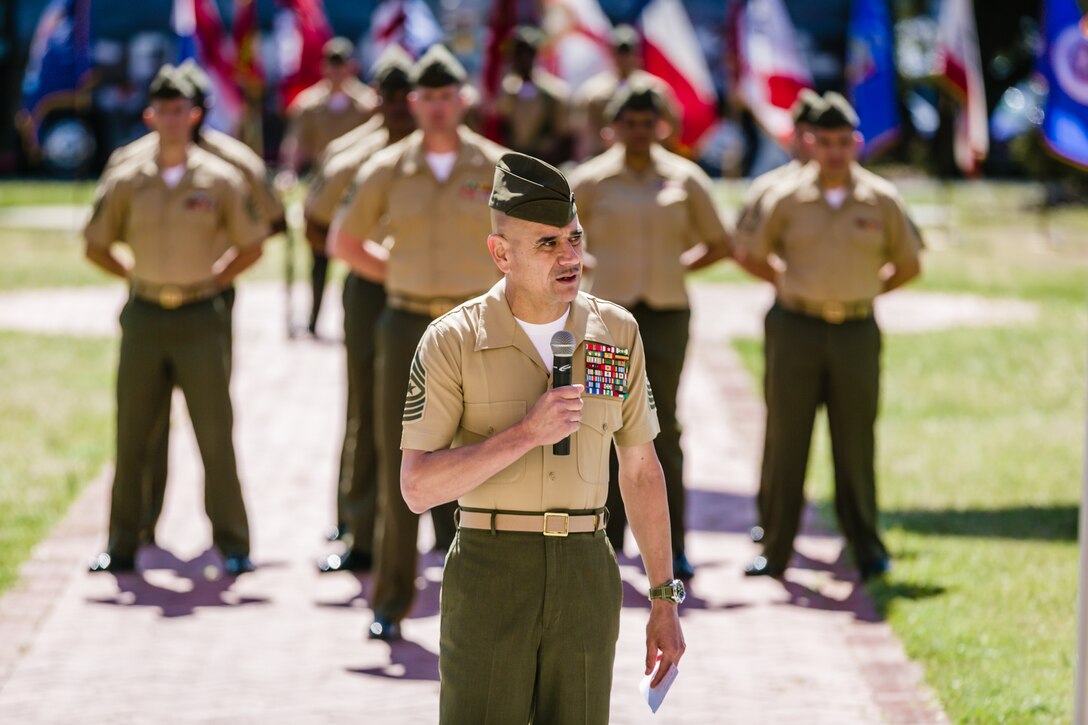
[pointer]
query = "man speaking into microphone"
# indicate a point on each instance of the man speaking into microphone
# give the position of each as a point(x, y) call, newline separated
point(531, 592)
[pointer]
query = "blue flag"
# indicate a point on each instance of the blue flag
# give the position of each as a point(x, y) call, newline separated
point(1064, 65)
point(870, 73)
point(184, 22)
point(58, 69)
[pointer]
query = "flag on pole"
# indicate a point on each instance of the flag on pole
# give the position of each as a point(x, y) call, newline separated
point(871, 74)
point(201, 37)
point(672, 53)
point(408, 23)
point(770, 68)
point(959, 69)
point(249, 72)
point(301, 31)
point(502, 20)
point(579, 40)
point(1063, 62)
point(58, 70)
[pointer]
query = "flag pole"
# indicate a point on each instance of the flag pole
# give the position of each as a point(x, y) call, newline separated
point(1080, 702)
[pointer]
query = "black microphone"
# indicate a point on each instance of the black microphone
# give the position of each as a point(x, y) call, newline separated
point(562, 351)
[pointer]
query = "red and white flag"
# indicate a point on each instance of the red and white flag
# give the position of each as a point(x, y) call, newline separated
point(579, 40)
point(770, 68)
point(407, 23)
point(672, 52)
point(202, 38)
point(959, 69)
point(301, 31)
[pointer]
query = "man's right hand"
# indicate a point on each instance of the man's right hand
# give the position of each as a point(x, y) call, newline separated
point(556, 415)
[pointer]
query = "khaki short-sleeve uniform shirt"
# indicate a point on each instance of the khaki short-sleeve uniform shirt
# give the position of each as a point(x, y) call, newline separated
point(476, 373)
point(176, 234)
point(352, 138)
point(833, 255)
point(315, 118)
point(759, 187)
point(252, 166)
point(536, 111)
point(637, 224)
point(333, 179)
point(439, 229)
point(219, 144)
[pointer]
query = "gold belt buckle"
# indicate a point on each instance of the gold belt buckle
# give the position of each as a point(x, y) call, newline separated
point(170, 297)
point(834, 312)
point(565, 518)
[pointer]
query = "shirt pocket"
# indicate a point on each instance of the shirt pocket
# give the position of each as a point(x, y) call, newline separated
point(601, 418)
point(867, 230)
point(480, 421)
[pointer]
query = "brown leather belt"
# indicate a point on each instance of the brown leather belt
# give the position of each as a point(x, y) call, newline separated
point(171, 296)
point(834, 312)
point(548, 523)
point(433, 307)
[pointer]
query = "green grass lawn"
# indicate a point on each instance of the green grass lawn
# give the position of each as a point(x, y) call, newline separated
point(56, 431)
point(981, 440)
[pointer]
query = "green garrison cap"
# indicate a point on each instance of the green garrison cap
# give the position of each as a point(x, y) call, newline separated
point(196, 76)
point(529, 189)
point(836, 113)
point(393, 68)
point(636, 95)
point(438, 67)
point(624, 37)
point(338, 50)
point(807, 106)
point(169, 84)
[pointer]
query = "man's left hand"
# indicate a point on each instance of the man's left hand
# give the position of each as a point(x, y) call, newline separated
point(663, 634)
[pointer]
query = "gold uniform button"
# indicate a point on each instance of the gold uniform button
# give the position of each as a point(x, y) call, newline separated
point(490, 429)
point(551, 475)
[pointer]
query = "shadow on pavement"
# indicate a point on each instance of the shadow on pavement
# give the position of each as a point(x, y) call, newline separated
point(722, 512)
point(208, 586)
point(1039, 523)
point(407, 661)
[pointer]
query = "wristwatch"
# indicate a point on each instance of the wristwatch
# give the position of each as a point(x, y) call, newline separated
point(671, 591)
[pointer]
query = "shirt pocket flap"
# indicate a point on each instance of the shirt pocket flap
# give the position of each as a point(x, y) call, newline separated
point(601, 418)
point(483, 420)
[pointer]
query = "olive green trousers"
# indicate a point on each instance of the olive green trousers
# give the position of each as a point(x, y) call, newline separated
point(809, 363)
point(396, 555)
point(189, 347)
point(357, 489)
point(158, 462)
point(529, 625)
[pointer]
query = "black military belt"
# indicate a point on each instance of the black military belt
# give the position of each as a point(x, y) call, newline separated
point(834, 312)
point(172, 296)
point(433, 307)
point(548, 523)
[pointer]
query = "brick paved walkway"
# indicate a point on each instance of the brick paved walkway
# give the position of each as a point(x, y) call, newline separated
point(284, 645)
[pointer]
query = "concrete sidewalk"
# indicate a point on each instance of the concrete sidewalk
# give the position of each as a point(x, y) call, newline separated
point(285, 645)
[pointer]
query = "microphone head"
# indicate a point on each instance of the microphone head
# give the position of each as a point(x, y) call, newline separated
point(563, 344)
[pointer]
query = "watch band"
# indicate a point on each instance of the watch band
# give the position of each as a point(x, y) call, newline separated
point(671, 591)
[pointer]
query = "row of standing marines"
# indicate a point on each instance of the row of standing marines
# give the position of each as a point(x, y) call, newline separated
point(400, 197)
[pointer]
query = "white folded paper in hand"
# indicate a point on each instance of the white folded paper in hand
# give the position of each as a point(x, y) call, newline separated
point(656, 695)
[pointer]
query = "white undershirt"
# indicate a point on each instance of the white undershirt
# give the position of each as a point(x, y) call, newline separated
point(541, 336)
point(171, 175)
point(835, 197)
point(441, 164)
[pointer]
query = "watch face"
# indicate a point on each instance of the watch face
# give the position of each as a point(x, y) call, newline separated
point(680, 593)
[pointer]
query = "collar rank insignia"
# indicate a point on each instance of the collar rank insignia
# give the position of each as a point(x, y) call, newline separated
point(606, 370)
